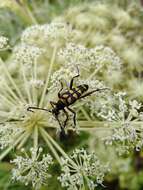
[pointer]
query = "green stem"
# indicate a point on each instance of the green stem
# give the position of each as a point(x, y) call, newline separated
point(85, 114)
point(44, 135)
point(58, 147)
point(95, 72)
point(30, 15)
point(48, 76)
point(35, 138)
point(34, 90)
point(24, 140)
point(55, 143)
point(21, 9)
point(27, 88)
point(93, 125)
point(12, 81)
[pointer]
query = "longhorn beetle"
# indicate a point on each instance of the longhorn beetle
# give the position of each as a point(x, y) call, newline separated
point(67, 98)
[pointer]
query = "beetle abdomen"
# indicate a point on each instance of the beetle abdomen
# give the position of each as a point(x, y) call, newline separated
point(69, 97)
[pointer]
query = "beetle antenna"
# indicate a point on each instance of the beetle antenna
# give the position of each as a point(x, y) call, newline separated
point(37, 108)
point(98, 89)
point(77, 69)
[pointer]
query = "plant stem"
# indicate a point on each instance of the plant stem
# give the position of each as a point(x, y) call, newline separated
point(85, 114)
point(48, 76)
point(12, 81)
point(44, 135)
point(35, 138)
point(27, 88)
point(30, 15)
point(23, 141)
point(55, 143)
point(58, 147)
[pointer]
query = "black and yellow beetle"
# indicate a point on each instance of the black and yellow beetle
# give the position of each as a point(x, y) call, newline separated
point(67, 98)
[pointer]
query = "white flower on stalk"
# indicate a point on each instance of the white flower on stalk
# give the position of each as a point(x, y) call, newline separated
point(89, 62)
point(3, 42)
point(89, 59)
point(117, 109)
point(48, 34)
point(127, 132)
point(82, 170)
point(27, 54)
point(32, 169)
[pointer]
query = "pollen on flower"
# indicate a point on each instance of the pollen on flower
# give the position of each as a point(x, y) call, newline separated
point(32, 168)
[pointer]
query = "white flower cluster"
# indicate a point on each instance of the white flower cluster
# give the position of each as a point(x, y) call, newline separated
point(89, 59)
point(32, 169)
point(8, 134)
point(3, 42)
point(127, 132)
point(43, 34)
point(117, 109)
point(36, 83)
point(27, 54)
point(126, 138)
point(82, 170)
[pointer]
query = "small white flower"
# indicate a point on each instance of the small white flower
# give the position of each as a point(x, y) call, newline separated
point(32, 169)
point(27, 54)
point(82, 169)
point(48, 34)
point(3, 42)
point(127, 135)
point(36, 83)
point(89, 59)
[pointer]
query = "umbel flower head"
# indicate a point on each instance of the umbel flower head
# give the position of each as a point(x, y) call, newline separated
point(97, 24)
point(48, 36)
point(32, 169)
point(34, 84)
point(28, 87)
point(82, 170)
point(126, 118)
point(92, 64)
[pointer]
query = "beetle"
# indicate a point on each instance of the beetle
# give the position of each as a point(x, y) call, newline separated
point(66, 99)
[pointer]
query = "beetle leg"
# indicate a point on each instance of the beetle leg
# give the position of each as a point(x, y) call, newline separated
point(37, 108)
point(59, 93)
point(74, 115)
point(62, 133)
point(53, 103)
point(67, 117)
point(91, 92)
point(71, 82)
point(59, 122)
